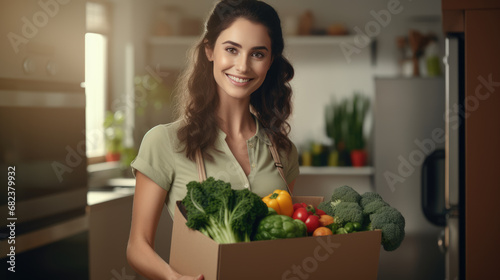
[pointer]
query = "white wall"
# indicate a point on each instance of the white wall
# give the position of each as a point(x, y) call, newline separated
point(322, 72)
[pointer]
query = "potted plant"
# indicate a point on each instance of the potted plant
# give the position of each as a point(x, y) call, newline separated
point(356, 116)
point(114, 134)
point(336, 130)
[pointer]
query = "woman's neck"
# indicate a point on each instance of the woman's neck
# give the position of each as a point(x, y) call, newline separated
point(236, 120)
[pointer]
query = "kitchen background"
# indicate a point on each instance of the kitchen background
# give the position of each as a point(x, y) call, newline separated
point(150, 40)
point(340, 49)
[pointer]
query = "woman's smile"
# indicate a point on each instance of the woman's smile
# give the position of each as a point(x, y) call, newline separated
point(238, 81)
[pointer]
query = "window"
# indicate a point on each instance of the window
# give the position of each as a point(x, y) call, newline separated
point(95, 91)
point(96, 75)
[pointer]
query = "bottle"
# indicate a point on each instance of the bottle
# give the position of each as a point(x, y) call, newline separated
point(432, 59)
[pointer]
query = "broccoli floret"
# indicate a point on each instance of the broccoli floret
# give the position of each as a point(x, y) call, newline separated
point(387, 215)
point(327, 207)
point(223, 214)
point(344, 194)
point(392, 236)
point(348, 212)
point(392, 224)
point(373, 206)
point(368, 197)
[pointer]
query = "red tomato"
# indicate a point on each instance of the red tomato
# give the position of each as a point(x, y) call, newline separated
point(300, 214)
point(312, 223)
point(298, 205)
point(320, 212)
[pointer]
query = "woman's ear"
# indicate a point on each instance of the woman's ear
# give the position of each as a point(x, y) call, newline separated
point(209, 53)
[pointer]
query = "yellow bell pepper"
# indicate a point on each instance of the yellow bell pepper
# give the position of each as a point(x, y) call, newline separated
point(281, 201)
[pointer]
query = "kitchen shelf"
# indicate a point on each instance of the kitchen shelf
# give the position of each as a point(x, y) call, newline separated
point(318, 40)
point(291, 40)
point(337, 170)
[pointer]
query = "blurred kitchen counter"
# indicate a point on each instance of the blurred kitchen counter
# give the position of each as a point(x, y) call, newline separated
point(110, 211)
point(99, 196)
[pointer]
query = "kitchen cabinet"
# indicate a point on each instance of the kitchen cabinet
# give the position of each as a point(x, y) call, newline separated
point(44, 42)
point(110, 214)
point(479, 22)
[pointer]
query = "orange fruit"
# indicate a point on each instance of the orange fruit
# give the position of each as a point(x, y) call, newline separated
point(325, 220)
point(321, 231)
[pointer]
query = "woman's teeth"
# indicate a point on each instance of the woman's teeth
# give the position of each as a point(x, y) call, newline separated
point(238, 79)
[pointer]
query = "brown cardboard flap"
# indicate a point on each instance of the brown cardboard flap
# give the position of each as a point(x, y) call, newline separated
point(345, 256)
point(192, 253)
point(313, 200)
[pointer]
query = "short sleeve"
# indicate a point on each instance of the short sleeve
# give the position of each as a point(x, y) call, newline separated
point(155, 158)
point(292, 165)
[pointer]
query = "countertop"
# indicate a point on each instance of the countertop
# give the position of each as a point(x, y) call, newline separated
point(117, 188)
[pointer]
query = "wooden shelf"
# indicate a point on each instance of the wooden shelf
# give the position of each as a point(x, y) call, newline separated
point(318, 40)
point(337, 170)
point(289, 41)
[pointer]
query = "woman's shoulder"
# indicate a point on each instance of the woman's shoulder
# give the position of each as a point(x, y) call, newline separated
point(292, 153)
point(163, 133)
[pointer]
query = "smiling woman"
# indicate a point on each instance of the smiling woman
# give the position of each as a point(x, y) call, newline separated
point(234, 106)
point(237, 29)
point(241, 57)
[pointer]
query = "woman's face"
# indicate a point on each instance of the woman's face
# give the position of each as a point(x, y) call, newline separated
point(241, 57)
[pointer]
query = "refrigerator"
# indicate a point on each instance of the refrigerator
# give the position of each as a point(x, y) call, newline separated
point(409, 142)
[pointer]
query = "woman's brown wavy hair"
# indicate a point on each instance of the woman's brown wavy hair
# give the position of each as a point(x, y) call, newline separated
point(198, 98)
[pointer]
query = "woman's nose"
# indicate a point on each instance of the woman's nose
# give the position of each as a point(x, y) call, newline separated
point(241, 64)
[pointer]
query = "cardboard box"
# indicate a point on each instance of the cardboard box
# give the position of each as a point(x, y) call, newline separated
point(345, 256)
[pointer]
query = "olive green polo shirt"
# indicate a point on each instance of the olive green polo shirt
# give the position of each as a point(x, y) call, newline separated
point(160, 159)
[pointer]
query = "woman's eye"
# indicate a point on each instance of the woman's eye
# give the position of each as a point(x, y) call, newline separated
point(258, 55)
point(231, 50)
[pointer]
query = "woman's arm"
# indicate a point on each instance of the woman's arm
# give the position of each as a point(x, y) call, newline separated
point(147, 208)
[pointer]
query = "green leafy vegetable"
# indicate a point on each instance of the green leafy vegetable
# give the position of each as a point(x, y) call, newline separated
point(354, 212)
point(373, 206)
point(223, 214)
point(392, 224)
point(368, 197)
point(327, 207)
